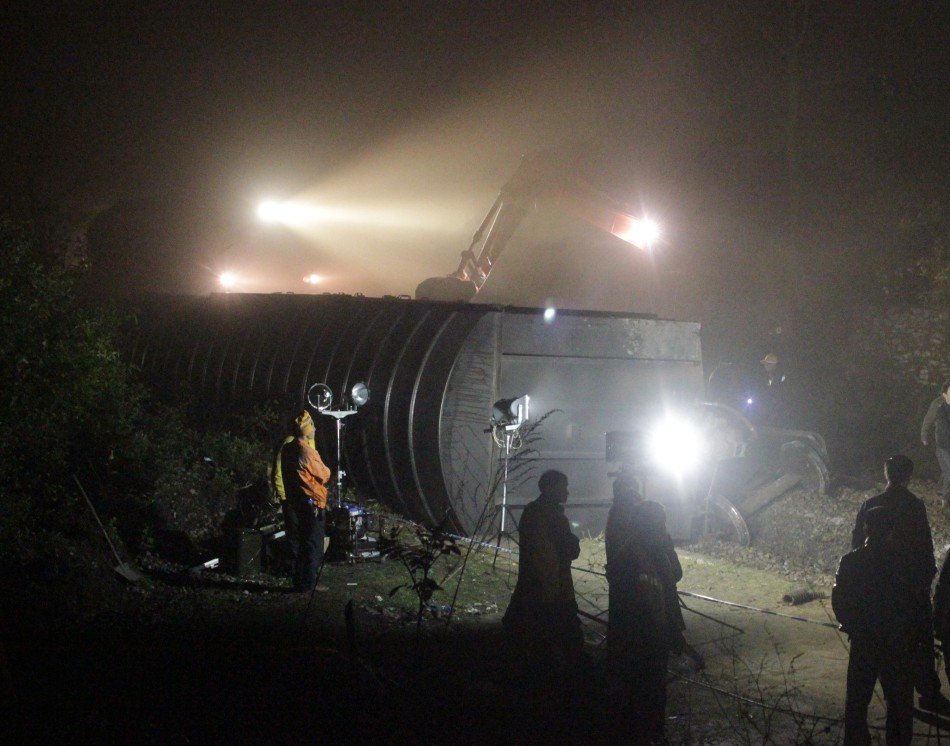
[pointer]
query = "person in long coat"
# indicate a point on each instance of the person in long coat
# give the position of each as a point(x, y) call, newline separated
point(645, 622)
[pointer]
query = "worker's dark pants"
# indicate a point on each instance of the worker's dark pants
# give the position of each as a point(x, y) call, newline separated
point(637, 707)
point(924, 672)
point(544, 633)
point(310, 554)
point(872, 658)
point(925, 676)
point(943, 458)
point(292, 528)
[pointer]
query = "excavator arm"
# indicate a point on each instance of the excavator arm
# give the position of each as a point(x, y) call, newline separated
point(537, 179)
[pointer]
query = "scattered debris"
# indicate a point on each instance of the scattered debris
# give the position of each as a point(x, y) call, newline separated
point(803, 596)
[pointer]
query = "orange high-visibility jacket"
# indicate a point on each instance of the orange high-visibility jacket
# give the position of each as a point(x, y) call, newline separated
point(302, 460)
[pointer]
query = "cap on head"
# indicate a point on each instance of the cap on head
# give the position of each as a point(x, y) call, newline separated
point(770, 359)
point(303, 423)
point(898, 469)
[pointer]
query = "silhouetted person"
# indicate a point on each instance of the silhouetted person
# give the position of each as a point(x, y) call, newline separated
point(645, 621)
point(875, 605)
point(937, 420)
point(942, 610)
point(915, 552)
point(627, 498)
point(542, 616)
point(304, 478)
point(774, 394)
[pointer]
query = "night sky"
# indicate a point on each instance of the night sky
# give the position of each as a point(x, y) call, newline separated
point(160, 127)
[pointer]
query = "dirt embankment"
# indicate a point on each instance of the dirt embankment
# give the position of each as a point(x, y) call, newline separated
point(805, 534)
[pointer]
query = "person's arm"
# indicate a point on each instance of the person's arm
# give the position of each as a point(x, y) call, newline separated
point(320, 470)
point(928, 567)
point(942, 427)
point(857, 533)
point(942, 602)
point(314, 474)
point(929, 420)
point(569, 546)
point(845, 600)
point(278, 474)
point(277, 478)
point(675, 567)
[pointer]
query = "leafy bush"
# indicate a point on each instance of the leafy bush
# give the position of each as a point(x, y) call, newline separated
point(70, 405)
point(66, 398)
point(192, 475)
point(418, 557)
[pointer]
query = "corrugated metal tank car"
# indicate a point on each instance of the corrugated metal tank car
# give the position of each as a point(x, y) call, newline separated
point(422, 444)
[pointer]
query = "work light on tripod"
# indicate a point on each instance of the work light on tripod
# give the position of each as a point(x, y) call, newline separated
point(511, 413)
point(320, 397)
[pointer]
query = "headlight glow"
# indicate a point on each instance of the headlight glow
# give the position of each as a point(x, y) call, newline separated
point(675, 446)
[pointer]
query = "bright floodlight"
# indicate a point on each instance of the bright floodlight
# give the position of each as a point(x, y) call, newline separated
point(641, 232)
point(549, 313)
point(359, 394)
point(675, 446)
point(228, 280)
point(320, 397)
point(511, 413)
point(288, 213)
point(313, 279)
point(269, 211)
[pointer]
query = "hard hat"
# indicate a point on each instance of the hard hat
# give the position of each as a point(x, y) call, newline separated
point(770, 359)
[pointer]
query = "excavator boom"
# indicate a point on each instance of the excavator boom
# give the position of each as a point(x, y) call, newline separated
point(536, 179)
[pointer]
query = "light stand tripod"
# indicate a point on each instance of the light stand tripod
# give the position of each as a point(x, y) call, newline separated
point(508, 415)
point(509, 436)
point(339, 414)
point(321, 398)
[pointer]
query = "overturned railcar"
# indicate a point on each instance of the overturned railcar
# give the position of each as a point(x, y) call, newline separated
point(422, 443)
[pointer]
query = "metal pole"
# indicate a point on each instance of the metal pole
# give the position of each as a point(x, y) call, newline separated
point(504, 497)
point(712, 483)
point(504, 485)
point(339, 465)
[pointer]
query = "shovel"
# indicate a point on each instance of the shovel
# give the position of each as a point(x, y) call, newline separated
point(124, 569)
